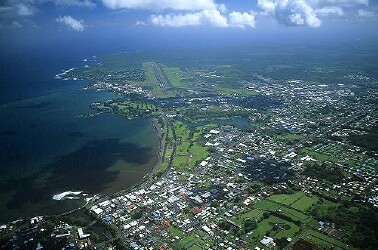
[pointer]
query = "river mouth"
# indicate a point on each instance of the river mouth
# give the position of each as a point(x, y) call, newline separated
point(48, 147)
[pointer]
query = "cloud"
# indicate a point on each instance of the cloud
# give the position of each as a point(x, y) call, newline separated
point(25, 9)
point(365, 13)
point(179, 20)
point(192, 5)
point(210, 17)
point(140, 23)
point(305, 12)
point(71, 23)
point(80, 3)
point(5, 8)
point(343, 3)
point(242, 20)
point(214, 18)
point(30, 7)
point(333, 10)
point(16, 25)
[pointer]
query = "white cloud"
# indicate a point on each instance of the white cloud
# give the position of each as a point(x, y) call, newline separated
point(30, 7)
point(242, 20)
point(211, 17)
point(16, 25)
point(71, 23)
point(344, 3)
point(333, 10)
point(365, 13)
point(305, 12)
point(25, 9)
point(161, 4)
point(296, 13)
point(140, 23)
point(81, 3)
point(5, 8)
point(179, 20)
point(215, 18)
point(266, 5)
point(222, 8)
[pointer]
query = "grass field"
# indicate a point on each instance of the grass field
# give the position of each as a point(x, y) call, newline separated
point(290, 137)
point(189, 151)
point(153, 83)
point(257, 214)
point(266, 226)
point(286, 199)
point(295, 215)
point(176, 232)
point(267, 205)
point(175, 76)
point(305, 202)
point(187, 242)
point(319, 156)
point(324, 241)
point(289, 205)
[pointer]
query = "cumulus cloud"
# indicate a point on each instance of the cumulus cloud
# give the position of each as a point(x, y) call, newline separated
point(179, 20)
point(242, 20)
point(211, 17)
point(71, 23)
point(161, 4)
point(305, 12)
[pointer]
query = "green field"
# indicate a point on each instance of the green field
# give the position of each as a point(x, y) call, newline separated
point(175, 75)
point(189, 151)
point(286, 199)
point(176, 232)
point(319, 156)
point(267, 205)
point(295, 215)
point(290, 137)
point(266, 226)
point(152, 82)
point(257, 214)
point(324, 241)
point(305, 203)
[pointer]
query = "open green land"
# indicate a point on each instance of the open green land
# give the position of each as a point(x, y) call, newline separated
point(286, 199)
point(175, 76)
point(324, 241)
point(176, 232)
point(136, 108)
point(275, 227)
point(189, 151)
point(305, 203)
point(290, 137)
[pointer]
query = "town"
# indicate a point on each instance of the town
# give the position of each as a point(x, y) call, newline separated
point(256, 164)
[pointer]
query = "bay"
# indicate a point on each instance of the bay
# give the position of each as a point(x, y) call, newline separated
point(48, 144)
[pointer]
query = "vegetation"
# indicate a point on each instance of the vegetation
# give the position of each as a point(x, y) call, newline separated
point(368, 141)
point(323, 172)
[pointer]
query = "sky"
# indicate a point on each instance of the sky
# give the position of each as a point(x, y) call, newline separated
point(148, 24)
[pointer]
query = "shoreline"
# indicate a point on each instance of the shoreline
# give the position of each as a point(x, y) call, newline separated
point(155, 167)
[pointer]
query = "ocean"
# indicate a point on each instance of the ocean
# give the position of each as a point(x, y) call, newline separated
point(48, 145)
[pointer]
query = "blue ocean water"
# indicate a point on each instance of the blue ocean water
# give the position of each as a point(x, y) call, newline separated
point(47, 146)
